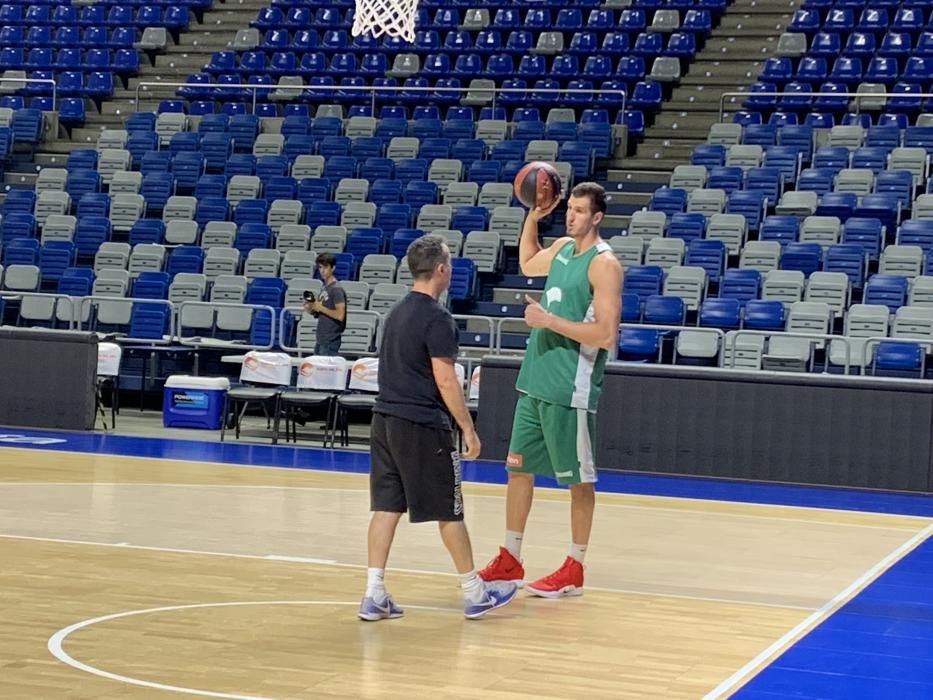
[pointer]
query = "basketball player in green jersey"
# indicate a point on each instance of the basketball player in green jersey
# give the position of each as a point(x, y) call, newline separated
point(553, 433)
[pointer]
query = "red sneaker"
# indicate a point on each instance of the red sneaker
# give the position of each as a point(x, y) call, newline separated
point(504, 567)
point(566, 581)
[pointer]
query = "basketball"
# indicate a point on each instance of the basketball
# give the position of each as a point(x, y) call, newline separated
point(537, 185)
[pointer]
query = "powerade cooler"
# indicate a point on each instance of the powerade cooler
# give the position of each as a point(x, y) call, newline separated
point(194, 402)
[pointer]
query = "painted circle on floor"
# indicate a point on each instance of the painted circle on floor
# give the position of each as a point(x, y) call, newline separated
point(57, 640)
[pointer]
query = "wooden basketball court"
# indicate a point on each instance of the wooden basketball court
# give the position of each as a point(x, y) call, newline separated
point(136, 578)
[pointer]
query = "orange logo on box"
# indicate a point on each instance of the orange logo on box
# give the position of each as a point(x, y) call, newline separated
point(306, 369)
point(514, 460)
point(360, 371)
point(251, 362)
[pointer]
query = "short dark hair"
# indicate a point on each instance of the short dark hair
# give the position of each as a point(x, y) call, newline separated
point(326, 259)
point(595, 192)
point(426, 253)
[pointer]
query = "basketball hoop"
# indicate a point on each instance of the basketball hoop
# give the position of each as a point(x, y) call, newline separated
point(391, 17)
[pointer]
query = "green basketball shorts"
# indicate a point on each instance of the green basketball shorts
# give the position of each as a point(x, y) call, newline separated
point(552, 440)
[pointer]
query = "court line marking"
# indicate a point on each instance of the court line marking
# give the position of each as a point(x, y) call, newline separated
point(361, 474)
point(601, 504)
point(55, 644)
point(347, 565)
point(758, 664)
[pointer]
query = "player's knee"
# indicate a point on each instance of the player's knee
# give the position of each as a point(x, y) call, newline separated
point(582, 490)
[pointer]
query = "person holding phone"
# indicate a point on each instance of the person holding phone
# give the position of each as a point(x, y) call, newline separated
point(329, 307)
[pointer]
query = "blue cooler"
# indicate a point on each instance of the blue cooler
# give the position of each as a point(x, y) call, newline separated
point(194, 402)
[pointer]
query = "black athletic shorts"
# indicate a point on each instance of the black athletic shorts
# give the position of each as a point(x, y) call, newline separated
point(414, 468)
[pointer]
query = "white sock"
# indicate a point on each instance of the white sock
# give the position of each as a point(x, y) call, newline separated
point(375, 583)
point(513, 543)
point(578, 551)
point(472, 585)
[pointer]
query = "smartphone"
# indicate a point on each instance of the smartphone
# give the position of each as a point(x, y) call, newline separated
point(309, 295)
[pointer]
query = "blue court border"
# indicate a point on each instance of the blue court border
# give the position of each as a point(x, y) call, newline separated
point(878, 645)
point(351, 461)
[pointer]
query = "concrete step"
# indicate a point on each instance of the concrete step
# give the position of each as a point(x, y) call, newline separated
point(723, 73)
point(629, 179)
point(765, 6)
point(175, 65)
point(726, 45)
point(752, 25)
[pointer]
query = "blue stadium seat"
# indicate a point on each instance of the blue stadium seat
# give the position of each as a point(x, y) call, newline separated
point(211, 208)
point(842, 205)
point(805, 257)
point(887, 290)
point(664, 310)
point(643, 281)
point(782, 229)
point(462, 279)
point(401, 239)
point(764, 315)
point(750, 203)
point(849, 259)
point(916, 232)
point(740, 284)
point(724, 313)
point(708, 154)
point(149, 321)
point(898, 359)
point(251, 235)
point(670, 200)
point(147, 231)
point(80, 182)
point(631, 308)
point(883, 206)
point(639, 344)
point(687, 226)
point(710, 255)
point(185, 258)
point(20, 251)
point(151, 285)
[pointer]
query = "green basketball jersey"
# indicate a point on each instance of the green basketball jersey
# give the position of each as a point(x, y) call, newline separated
point(557, 369)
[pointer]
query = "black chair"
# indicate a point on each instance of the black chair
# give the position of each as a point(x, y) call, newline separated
point(320, 381)
point(264, 377)
point(361, 396)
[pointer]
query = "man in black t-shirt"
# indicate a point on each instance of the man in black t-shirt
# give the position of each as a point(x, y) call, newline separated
point(330, 308)
point(414, 464)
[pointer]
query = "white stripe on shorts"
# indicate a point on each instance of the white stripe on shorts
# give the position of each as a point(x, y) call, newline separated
point(585, 449)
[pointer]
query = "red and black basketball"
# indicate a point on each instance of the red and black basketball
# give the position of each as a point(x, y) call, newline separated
point(537, 185)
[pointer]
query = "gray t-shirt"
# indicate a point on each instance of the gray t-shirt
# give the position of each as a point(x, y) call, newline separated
point(327, 327)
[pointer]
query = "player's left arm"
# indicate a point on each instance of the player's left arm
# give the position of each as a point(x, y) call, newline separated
point(338, 313)
point(605, 276)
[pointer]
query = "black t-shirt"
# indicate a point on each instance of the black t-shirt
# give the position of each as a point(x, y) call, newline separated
point(327, 327)
point(416, 329)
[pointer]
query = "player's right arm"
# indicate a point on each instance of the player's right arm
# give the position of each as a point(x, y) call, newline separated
point(445, 376)
point(533, 260)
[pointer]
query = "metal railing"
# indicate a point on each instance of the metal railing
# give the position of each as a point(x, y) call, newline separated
point(4, 79)
point(813, 338)
point(490, 347)
point(211, 342)
point(870, 343)
point(97, 299)
point(386, 93)
point(857, 96)
point(55, 316)
point(719, 333)
point(290, 316)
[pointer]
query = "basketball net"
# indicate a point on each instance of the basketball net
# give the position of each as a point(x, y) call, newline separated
point(391, 17)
